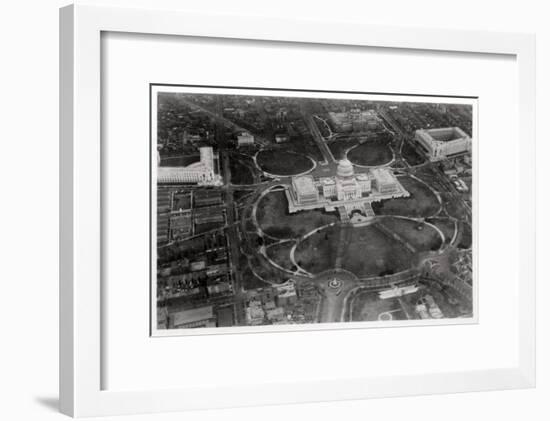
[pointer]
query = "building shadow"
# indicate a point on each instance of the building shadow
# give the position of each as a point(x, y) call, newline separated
point(51, 403)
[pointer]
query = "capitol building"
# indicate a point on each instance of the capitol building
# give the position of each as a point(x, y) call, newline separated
point(346, 189)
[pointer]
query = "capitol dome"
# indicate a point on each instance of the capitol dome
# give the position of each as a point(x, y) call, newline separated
point(345, 168)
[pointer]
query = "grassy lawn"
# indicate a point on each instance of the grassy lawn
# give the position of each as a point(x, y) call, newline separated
point(280, 254)
point(251, 282)
point(421, 236)
point(454, 207)
point(421, 202)
point(241, 173)
point(446, 225)
point(279, 162)
point(411, 155)
point(304, 145)
point(338, 147)
point(371, 154)
point(367, 252)
point(274, 219)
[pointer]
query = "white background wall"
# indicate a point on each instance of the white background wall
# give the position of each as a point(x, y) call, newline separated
point(29, 179)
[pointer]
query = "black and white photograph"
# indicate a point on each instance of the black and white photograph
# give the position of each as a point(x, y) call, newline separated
point(301, 208)
point(291, 210)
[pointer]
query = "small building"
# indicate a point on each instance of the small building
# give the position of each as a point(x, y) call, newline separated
point(207, 197)
point(286, 293)
point(198, 265)
point(282, 137)
point(255, 314)
point(245, 139)
point(269, 305)
point(262, 295)
point(217, 269)
point(276, 314)
point(219, 288)
point(193, 318)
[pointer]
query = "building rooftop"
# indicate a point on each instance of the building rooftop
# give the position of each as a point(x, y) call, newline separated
point(443, 134)
point(383, 175)
point(327, 181)
point(287, 289)
point(305, 184)
point(193, 315)
point(345, 168)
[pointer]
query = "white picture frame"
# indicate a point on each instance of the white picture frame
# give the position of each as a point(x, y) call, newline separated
point(82, 392)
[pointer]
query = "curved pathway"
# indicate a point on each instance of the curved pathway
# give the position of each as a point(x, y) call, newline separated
point(386, 164)
point(271, 175)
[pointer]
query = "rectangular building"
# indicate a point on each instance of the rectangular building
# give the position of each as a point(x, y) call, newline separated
point(384, 181)
point(245, 139)
point(193, 318)
point(180, 224)
point(441, 143)
point(207, 215)
point(305, 189)
point(207, 197)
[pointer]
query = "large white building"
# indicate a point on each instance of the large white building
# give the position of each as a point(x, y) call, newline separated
point(354, 120)
point(305, 189)
point(346, 185)
point(202, 172)
point(384, 181)
point(345, 189)
point(441, 143)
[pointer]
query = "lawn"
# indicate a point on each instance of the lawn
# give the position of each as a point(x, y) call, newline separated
point(446, 225)
point(279, 162)
point(422, 202)
point(338, 147)
point(371, 153)
point(419, 235)
point(280, 254)
point(365, 251)
point(274, 219)
point(305, 145)
point(250, 281)
point(240, 172)
point(411, 155)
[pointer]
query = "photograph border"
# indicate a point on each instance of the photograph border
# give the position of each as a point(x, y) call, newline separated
point(154, 332)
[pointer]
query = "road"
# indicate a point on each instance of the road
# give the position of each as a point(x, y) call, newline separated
point(317, 136)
